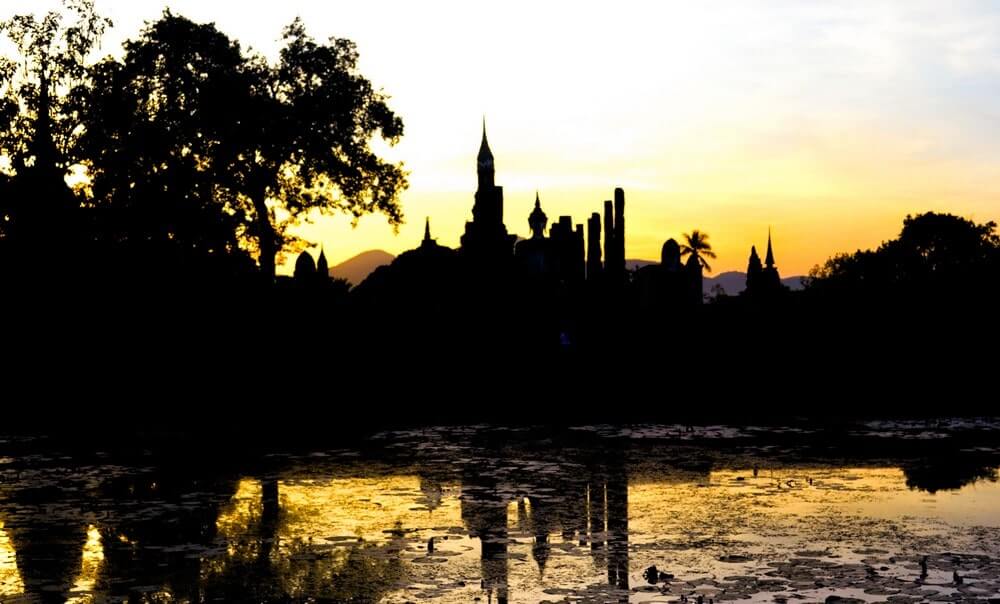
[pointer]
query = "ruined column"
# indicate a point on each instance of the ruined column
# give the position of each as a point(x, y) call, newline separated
point(594, 247)
point(619, 232)
point(609, 237)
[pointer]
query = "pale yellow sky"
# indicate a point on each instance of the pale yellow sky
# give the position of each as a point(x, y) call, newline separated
point(828, 122)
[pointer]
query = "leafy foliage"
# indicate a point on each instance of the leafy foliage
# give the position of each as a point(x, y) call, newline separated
point(934, 254)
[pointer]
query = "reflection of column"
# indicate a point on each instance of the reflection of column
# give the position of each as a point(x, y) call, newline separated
point(485, 515)
point(595, 509)
point(618, 529)
point(494, 562)
point(573, 516)
point(269, 512)
point(48, 549)
point(522, 515)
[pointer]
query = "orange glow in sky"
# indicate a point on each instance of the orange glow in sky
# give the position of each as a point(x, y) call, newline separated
point(827, 122)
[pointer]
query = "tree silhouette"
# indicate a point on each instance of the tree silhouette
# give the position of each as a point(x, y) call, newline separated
point(696, 243)
point(37, 85)
point(157, 146)
point(221, 151)
point(303, 141)
point(315, 117)
point(38, 125)
point(937, 254)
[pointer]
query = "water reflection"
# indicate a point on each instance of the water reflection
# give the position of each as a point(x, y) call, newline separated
point(10, 578)
point(495, 522)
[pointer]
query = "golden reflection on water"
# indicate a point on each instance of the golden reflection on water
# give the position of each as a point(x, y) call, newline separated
point(403, 536)
point(365, 508)
point(10, 577)
point(701, 517)
point(342, 509)
point(90, 567)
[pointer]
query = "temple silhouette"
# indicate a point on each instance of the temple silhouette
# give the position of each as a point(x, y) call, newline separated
point(561, 264)
point(763, 281)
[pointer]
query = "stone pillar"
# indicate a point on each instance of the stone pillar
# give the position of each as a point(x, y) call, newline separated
point(594, 247)
point(609, 237)
point(619, 235)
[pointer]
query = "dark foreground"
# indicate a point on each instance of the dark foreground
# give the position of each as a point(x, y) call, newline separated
point(875, 511)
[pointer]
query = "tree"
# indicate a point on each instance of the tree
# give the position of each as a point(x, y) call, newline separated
point(305, 141)
point(224, 151)
point(157, 146)
point(696, 243)
point(38, 122)
point(37, 84)
point(935, 254)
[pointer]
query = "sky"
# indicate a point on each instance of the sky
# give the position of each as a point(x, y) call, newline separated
point(827, 122)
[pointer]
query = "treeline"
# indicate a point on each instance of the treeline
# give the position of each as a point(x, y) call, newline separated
point(186, 159)
point(937, 258)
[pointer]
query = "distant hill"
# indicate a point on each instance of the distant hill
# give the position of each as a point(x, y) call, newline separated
point(357, 268)
point(733, 282)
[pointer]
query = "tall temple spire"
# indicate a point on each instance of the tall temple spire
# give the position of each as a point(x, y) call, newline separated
point(484, 163)
point(537, 220)
point(427, 242)
point(769, 259)
point(322, 268)
point(484, 147)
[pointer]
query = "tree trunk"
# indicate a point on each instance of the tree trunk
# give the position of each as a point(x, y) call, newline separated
point(265, 238)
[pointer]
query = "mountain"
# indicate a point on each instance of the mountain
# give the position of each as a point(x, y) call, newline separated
point(633, 263)
point(733, 282)
point(357, 268)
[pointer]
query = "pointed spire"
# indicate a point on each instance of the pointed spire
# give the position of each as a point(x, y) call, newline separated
point(484, 147)
point(427, 230)
point(321, 266)
point(538, 202)
point(769, 260)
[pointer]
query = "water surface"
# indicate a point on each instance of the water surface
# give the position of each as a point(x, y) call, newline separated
point(519, 515)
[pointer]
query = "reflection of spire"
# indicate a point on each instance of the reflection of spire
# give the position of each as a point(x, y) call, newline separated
point(769, 260)
point(541, 522)
point(540, 551)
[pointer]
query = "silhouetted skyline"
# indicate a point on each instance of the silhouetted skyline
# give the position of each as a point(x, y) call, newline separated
point(828, 123)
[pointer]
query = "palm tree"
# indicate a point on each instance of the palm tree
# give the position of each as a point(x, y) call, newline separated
point(696, 244)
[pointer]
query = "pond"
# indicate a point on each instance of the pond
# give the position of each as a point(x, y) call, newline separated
point(881, 512)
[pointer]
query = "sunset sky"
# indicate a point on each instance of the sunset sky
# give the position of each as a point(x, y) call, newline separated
point(827, 121)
